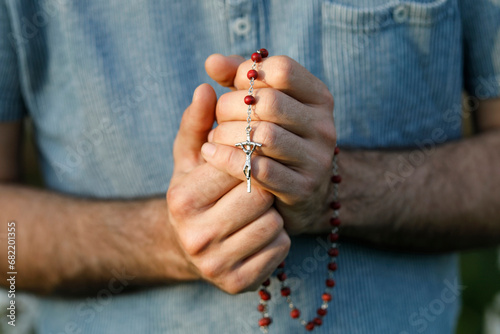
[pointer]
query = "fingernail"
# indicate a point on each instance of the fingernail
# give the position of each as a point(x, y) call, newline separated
point(208, 149)
point(211, 135)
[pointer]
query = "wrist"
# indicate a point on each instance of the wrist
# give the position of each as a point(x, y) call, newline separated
point(170, 263)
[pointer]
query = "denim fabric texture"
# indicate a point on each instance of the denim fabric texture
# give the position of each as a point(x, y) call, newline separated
point(106, 83)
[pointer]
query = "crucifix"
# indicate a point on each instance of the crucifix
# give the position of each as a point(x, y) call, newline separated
point(248, 147)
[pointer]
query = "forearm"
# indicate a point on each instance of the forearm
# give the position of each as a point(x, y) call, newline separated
point(446, 198)
point(65, 244)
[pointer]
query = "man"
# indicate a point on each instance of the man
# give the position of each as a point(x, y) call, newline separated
point(106, 85)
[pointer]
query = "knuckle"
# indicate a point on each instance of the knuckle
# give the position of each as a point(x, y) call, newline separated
point(223, 106)
point(262, 198)
point(194, 243)
point(284, 243)
point(263, 169)
point(275, 222)
point(269, 133)
point(327, 98)
point(179, 203)
point(237, 283)
point(283, 69)
point(211, 268)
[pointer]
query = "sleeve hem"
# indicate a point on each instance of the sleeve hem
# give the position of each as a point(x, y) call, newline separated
point(11, 111)
point(484, 87)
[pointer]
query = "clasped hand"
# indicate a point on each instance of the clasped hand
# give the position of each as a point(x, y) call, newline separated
point(232, 238)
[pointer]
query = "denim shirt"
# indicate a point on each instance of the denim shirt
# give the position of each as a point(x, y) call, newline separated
point(106, 83)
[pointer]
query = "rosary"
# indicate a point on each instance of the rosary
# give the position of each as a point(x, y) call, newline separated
point(248, 148)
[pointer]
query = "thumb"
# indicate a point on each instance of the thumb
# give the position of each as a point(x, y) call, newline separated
point(223, 69)
point(196, 123)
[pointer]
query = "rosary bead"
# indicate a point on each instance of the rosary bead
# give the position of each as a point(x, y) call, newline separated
point(321, 312)
point(264, 294)
point(265, 321)
point(281, 276)
point(333, 237)
point(318, 321)
point(281, 265)
point(333, 252)
point(256, 57)
point(336, 179)
point(267, 282)
point(331, 266)
point(249, 99)
point(335, 205)
point(285, 292)
point(326, 297)
point(261, 308)
point(335, 221)
point(337, 150)
point(310, 326)
point(295, 313)
point(252, 74)
point(330, 283)
point(264, 53)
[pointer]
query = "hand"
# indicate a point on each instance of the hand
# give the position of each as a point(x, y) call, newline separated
point(233, 239)
point(293, 119)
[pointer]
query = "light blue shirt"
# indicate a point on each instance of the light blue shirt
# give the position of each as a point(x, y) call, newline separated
point(106, 83)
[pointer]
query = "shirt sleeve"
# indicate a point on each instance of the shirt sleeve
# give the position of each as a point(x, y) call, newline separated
point(481, 33)
point(11, 101)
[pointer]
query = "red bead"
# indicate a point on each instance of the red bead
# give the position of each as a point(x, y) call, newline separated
point(326, 297)
point(261, 307)
point(281, 265)
point(295, 313)
point(334, 205)
point(318, 321)
point(267, 282)
point(332, 266)
point(330, 283)
point(333, 237)
point(321, 312)
point(310, 326)
point(252, 74)
point(337, 150)
point(336, 179)
point(285, 291)
point(335, 221)
point(264, 53)
point(265, 321)
point(333, 252)
point(249, 99)
point(256, 57)
point(264, 294)
point(281, 276)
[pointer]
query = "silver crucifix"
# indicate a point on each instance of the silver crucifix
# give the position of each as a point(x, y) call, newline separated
point(248, 147)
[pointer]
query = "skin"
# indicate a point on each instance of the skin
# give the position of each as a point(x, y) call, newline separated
point(191, 236)
point(450, 201)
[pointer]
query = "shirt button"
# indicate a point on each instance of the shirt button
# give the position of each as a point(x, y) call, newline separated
point(401, 13)
point(241, 25)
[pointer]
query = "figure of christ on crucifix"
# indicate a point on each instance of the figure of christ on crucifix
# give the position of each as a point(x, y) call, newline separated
point(248, 147)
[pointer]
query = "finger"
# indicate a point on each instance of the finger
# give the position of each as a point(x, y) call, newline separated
point(259, 266)
point(237, 209)
point(253, 237)
point(266, 173)
point(196, 123)
point(223, 69)
point(288, 76)
point(201, 188)
point(277, 143)
point(272, 106)
point(222, 218)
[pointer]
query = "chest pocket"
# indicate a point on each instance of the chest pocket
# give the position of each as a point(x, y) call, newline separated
point(394, 68)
